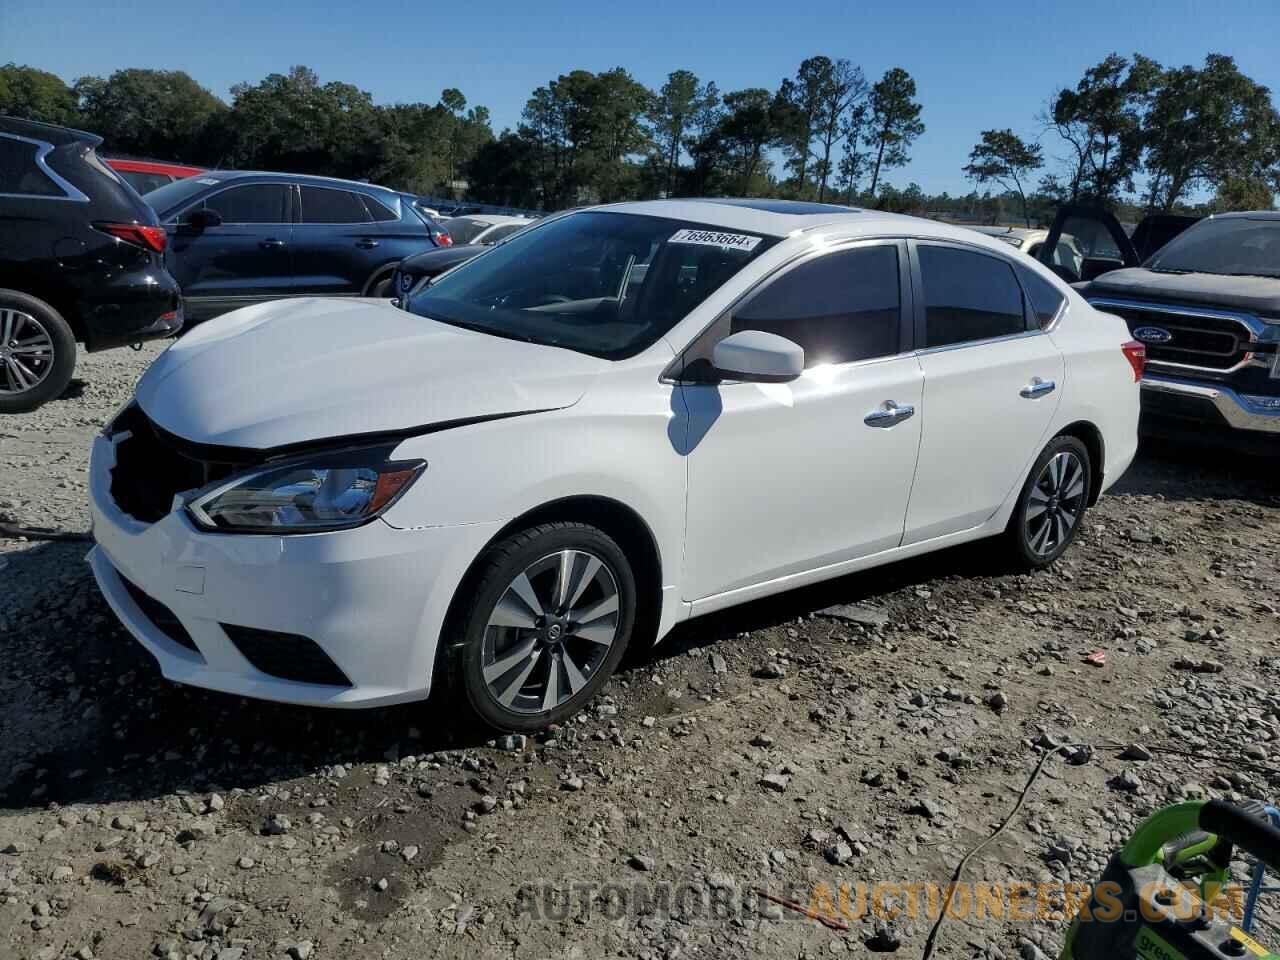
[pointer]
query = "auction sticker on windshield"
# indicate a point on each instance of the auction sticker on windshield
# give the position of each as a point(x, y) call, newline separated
point(714, 238)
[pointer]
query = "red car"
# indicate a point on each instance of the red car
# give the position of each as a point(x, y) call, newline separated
point(145, 175)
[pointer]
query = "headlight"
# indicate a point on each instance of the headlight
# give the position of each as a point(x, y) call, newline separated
point(322, 492)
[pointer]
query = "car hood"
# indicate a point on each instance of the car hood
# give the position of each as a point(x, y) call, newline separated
point(1259, 295)
point(302, 370)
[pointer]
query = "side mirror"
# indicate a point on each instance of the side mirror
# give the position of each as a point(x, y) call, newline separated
point(758, 357)
point(199, 220)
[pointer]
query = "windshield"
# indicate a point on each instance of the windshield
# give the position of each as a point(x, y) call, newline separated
point(163, 199)
point(463, 230)
point(606, 284)
point(1234, 246)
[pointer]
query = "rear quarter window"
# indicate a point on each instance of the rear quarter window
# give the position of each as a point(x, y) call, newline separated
point(19, 173)
point(1046, 299)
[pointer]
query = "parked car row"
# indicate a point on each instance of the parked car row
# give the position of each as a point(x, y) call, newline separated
point(94, 262)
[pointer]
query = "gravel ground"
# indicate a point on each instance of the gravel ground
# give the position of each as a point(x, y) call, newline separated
point(781, 746)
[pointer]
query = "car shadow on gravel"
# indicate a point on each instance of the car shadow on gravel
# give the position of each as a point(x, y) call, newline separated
point(1201, 472)
point(93, 721)
point(89, 718)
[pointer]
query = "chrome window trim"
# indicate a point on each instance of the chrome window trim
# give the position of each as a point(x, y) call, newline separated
point(791, 263)
point(966, 344)
point(43, 149)
point(1254, 325)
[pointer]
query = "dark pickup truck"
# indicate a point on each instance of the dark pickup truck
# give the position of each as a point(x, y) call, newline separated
point(1207, 305)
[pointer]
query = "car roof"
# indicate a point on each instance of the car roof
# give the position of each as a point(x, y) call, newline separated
point(785, 218)
point(994, 231)
point(48, 132)
point(1248, 215)
point(300, 178)
point(493, 219)
point(152, 166)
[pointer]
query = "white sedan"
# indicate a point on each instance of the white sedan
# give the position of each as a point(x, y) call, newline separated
point(622, 418)
point(485, 229)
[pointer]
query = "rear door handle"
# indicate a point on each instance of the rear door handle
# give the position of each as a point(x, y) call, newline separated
point(889, 414)
point(366, 244)
point(1038, 388)
point(271, 244)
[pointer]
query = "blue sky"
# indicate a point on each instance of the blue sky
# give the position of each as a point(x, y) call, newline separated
point(977, 65)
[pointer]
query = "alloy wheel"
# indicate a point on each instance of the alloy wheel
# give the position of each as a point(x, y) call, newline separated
point(26, 352)
point(1055, 503)
point(550, 631)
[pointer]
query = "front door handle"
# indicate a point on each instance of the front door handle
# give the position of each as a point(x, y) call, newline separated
point(271, 244)
point(366, 244)
point(1038, 388)
point(889, 414)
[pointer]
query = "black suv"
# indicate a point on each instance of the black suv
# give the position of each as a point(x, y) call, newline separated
point(1205, 299)
point(80, 259)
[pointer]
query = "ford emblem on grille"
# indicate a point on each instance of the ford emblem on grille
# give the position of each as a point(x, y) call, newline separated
point(1153, 334)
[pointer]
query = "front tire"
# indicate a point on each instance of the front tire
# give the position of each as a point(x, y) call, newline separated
point(552, 612)
point(1052, 504)
point(37, 352)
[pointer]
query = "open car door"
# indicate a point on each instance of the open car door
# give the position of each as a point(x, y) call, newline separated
point(1086, 242)
point(1157, 229)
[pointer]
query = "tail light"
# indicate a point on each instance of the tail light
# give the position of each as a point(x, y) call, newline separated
point(443, 239)
point(1136, 354)
point(148, 238)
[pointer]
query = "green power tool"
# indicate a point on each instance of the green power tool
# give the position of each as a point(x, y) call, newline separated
point(1161, 897)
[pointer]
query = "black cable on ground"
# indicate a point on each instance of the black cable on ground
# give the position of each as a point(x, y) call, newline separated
point(955, 876)
point(1035, 775)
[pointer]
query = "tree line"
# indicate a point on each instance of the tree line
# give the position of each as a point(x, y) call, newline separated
point(1129, 134)
point(1185, 129)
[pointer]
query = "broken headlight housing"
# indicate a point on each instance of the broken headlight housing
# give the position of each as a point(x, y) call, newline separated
point(329, 491)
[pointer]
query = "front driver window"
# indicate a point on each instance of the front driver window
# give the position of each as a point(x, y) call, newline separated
point(252, 203)
point(840, 307)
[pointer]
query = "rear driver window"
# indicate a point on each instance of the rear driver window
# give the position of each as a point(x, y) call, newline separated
point(840, 307)
point(968, 296)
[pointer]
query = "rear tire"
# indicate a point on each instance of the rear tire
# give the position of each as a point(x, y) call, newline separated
point(1052, 504)
point(380, 286)
point(37, 352)
point(549, 618)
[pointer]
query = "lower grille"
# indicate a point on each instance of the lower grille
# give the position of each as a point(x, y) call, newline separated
point(160, 616)
point(1195, 339)
point(286, 655)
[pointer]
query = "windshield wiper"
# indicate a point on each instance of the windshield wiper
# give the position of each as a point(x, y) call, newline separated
point(1168, 270)
point(481, 328)
point(1267, 276)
